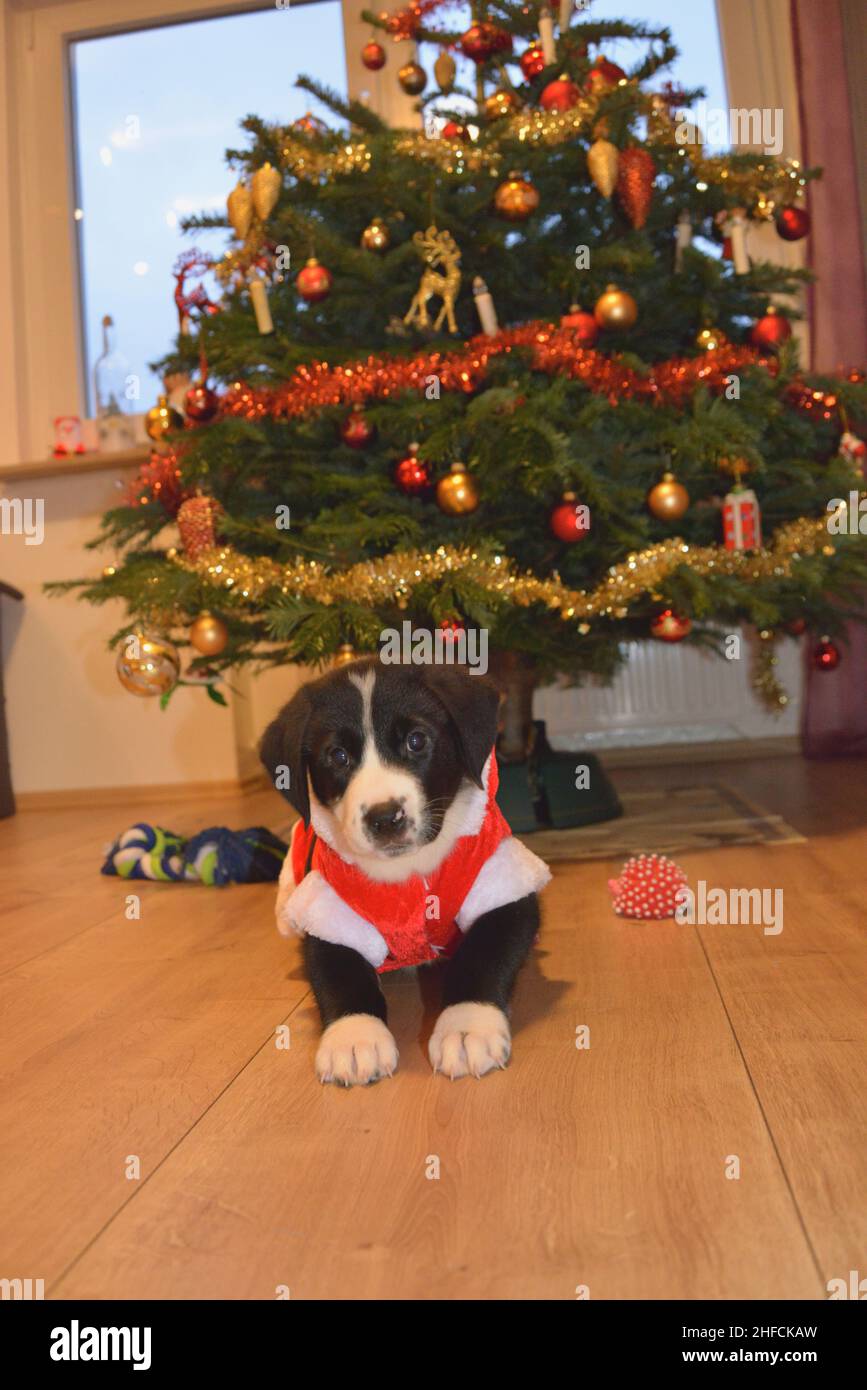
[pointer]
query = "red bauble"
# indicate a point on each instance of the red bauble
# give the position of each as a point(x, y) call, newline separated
point(452, 131)
point(793, 223)
point(532, 61)
point(569, 521)
point(482, 41)
point(412, 474)
point(582, 324)
point(647, 887)
point(373, 56)
point(635, 174)
point(314, 281)
point(825, 656)
point(771, 330)
point(797, 627)
point(603, 76)
point(560, 95)
point(669, 626)
point(201, 403)
point(356, 430)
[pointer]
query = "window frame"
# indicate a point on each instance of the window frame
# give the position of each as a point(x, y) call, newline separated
point(42, 359)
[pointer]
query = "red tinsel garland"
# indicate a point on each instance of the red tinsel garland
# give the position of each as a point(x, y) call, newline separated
point(158, 480)
point(554, 350)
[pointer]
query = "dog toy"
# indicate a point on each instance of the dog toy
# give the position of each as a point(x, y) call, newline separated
point(216, 856)
point(647, 887)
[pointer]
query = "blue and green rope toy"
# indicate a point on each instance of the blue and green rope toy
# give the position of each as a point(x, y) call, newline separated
point(216, 856)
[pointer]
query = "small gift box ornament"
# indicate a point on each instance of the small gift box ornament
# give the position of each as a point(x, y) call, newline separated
point(742, 515)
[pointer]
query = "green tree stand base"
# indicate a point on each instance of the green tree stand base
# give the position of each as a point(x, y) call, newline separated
point(555, 791)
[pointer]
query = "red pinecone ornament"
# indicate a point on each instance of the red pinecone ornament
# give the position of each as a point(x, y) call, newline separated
point(197, 523)
point(647, 887)
point(635, 174)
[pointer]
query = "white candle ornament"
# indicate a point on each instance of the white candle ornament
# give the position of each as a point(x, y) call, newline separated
point(683, 237)
point(566, 7)
point(736, 230)
point(546, 35)
point(485, 307)
point(259, 300)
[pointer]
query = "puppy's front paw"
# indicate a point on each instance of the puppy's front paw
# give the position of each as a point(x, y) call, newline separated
point(356, 1050)
point(470, 1040)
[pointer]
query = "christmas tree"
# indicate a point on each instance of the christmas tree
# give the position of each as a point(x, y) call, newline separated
point(513, 372)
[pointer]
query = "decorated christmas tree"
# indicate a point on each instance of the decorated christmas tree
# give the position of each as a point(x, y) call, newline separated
point(511, 371)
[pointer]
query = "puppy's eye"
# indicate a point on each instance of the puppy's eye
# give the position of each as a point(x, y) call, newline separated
point(339, 757)
point(417, 741)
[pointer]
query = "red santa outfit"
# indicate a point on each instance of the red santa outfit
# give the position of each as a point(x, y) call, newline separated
point(420, 918)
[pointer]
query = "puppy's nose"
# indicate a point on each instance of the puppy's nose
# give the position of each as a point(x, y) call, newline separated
point(385, 821)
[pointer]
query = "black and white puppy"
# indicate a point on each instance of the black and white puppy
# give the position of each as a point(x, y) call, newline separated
point(401, 857)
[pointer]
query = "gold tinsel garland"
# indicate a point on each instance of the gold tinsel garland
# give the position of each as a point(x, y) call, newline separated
point(300, 159)
point(393, 578)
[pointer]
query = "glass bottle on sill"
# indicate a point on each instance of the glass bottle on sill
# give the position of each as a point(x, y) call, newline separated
point(115, 427)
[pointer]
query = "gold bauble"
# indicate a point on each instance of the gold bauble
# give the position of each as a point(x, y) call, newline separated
point(161, 419)
point(457, 493)
point(376, 236)
point(208, 634)
point(501, 103)
point(345, 654)
point(603, 159)
point(709, 339)
point(615, 309)
point(413, 78)
point(444, 71)
point(265, 185)
point(239, 206)
point(516, 199)
point(147, 664)
point(669, 500)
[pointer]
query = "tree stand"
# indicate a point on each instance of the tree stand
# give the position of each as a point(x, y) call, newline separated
point(541, 789)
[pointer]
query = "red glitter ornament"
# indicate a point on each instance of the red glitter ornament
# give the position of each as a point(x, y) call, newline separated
point(603, 76)
point(647, 888)
point(412, 474)
point(825, 656)
point(570, 520)
point(482, 41)
point(635, 174)
point(197, 524)
point(314, 281)
point(356, 430)
point(582, 324)
point(373, 56)
point(560, 95)
point(669, 626)
point(793, 223)
point(532, 61)
point(201, 403)
point(771, 330)
point(158, 480)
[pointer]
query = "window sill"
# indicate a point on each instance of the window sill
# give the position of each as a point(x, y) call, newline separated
point(75, 463)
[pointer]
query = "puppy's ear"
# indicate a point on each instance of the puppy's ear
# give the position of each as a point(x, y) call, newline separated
point(284, 753)
point(472, 703)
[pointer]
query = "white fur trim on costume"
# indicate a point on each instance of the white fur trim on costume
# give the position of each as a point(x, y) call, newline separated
point(316, 909)
point(512, 872)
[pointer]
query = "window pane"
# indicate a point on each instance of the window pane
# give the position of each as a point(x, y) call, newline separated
point(155, 110)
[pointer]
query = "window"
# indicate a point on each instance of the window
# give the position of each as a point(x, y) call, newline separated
point(154, 111)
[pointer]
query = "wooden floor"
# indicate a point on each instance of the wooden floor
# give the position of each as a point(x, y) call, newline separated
point(602, 1167)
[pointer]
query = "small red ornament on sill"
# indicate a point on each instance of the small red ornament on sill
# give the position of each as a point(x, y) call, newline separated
point(68, 436)
point(647, 888)
point(825, 656)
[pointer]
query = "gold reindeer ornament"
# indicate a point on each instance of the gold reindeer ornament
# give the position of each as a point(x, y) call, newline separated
point(438, 249)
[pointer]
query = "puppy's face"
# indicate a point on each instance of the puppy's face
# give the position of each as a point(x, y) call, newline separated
point(386, 749)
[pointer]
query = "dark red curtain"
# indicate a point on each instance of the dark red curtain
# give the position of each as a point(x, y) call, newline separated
point(835, 703)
